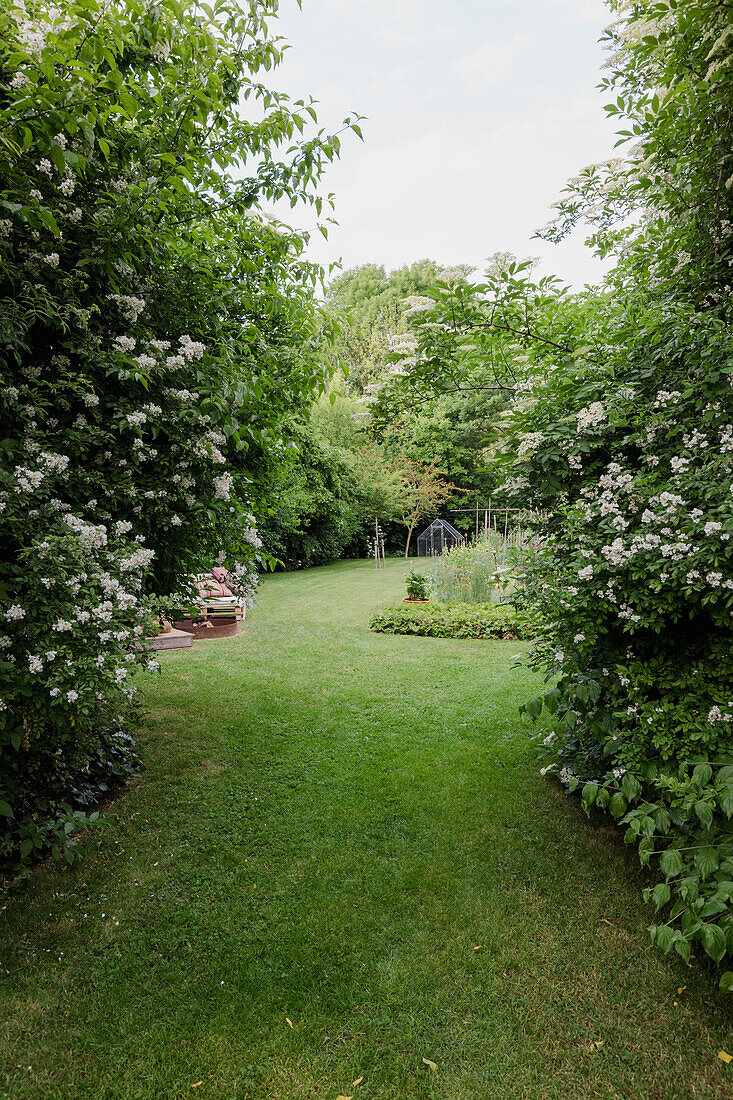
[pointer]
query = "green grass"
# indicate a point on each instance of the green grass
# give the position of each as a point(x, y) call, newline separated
point(347, 829)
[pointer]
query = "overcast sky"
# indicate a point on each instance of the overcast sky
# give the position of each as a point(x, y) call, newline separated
point(477, 113)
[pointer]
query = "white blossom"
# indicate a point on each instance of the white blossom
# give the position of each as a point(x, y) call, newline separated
point(593, 414)
point(130, 306)
point(91, 536)
point(223, 486)
point(529, 444)
point(141, 559)
point(190, 349)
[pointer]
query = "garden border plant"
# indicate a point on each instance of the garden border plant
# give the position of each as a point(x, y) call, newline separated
point(142, 428)
point(620, 430)
point(439, 620)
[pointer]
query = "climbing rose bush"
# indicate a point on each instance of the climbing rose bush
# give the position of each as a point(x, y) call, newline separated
point(158, 338)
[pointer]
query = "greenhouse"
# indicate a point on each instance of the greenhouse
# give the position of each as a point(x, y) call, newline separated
point(436, 538)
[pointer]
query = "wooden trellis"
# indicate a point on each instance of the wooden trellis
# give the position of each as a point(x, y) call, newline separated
point(496, 521)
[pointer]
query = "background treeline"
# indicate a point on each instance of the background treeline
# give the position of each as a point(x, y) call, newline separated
point(351, 458)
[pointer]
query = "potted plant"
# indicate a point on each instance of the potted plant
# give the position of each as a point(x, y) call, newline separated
point(418, 589)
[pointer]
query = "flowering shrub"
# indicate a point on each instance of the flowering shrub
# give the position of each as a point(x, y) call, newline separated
point(636, 578)
point(157, 336)
point(620, 429)
point(631, 441)
point(439, 620)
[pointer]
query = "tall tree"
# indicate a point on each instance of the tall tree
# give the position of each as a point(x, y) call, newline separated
point(423, 492)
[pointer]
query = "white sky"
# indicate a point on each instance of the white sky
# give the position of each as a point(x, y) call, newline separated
point(478, 111)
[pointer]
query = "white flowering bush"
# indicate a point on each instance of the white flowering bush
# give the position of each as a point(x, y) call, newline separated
point(635, 459)
point(636, 579)
point(158, 335)
point(619, 428)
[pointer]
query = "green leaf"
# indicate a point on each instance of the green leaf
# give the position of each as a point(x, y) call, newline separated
point(5, 808)
point(704, 813)
point(57, 156)
point(631, 787)
point(534, 708)
point(682, 947)
point(706, 861)
point(724, 787)
point(661, 895)
point(589, 795)
point(663, 937)
point(713, 940)
point(702, 773)
point(671, 863)
point(726, 982)
point(725, 800)
point(48, 219)
point(646, 847)
point(618, 805)
point(552, 698)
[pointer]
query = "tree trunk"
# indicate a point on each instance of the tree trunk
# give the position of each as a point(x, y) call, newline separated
point(409, 536)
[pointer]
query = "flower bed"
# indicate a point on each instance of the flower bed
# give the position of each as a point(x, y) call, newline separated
point(439, 620)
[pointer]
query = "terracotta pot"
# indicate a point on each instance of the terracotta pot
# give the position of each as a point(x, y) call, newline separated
point(165, 627)
point(408, 600)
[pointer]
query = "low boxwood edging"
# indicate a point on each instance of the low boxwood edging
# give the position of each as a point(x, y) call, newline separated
point(461, 620)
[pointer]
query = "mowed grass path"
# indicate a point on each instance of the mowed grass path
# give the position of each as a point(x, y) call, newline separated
point(339, 862)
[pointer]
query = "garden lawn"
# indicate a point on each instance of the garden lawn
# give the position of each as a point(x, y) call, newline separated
point(341, 866)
